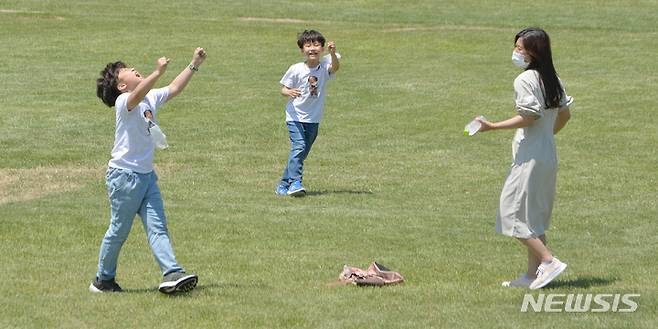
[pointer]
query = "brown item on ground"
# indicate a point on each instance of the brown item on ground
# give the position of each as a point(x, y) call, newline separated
point(376, 275)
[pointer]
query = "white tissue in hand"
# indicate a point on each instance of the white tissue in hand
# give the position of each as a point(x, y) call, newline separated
point(158, 137)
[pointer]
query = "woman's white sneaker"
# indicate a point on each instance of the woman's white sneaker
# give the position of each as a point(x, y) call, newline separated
point(547, 272)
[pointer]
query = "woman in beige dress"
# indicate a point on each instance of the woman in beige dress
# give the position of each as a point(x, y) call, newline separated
point(526, 201)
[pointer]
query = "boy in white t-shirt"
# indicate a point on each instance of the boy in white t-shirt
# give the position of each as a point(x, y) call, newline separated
point(304, 83)
point(131, 181)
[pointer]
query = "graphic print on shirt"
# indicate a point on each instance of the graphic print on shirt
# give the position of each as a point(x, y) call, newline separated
point(148, 117)
point(313, 83)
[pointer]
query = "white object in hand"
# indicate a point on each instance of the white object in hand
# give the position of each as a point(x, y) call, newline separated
point(474, 126)
point(158, 137)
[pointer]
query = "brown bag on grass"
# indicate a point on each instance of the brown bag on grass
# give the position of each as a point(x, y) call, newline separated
point(376, 275)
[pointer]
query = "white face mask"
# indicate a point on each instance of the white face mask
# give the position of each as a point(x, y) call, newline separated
point(519, 60)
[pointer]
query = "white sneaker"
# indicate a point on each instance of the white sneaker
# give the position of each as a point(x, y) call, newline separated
point(523, 281)
point(547, 272)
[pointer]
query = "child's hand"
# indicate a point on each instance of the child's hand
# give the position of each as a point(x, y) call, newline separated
point(332, 47)
point(161, 65)
point(291, 92)
point(486, 125)
point(199, 56)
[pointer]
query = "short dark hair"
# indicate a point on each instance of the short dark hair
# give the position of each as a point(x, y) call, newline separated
point(106, 85)
point(310, 36)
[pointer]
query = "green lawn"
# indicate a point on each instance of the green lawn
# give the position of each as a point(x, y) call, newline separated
point(391, 178)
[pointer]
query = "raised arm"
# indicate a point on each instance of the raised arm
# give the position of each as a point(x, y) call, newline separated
point(179, 83)
point(335, 63)
point(144, 86)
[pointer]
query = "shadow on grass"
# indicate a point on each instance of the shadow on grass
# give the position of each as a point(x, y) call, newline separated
point(586, 282)
point(203, 287)
point(326, 192)
point(200, 287)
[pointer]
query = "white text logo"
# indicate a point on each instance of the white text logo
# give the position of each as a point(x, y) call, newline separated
point(580, 303)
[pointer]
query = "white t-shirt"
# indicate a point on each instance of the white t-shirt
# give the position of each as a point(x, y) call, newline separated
point(308, 106)
point(133, 146)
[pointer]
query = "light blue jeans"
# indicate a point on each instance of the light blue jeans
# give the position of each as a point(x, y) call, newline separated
point(302, 137)
point(133, 194)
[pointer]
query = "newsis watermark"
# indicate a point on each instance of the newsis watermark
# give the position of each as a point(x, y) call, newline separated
point(580, 303)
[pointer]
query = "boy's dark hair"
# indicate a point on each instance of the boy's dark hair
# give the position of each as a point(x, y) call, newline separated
point(310, 36)
point(106, 85)
point(537, 46)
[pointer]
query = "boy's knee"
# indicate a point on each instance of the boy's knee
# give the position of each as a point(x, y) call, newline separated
point(298, 148)
point(117, 235)
point(157, 228)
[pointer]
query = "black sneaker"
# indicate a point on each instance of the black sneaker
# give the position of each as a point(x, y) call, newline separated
point(178, 282)
point(104, 286)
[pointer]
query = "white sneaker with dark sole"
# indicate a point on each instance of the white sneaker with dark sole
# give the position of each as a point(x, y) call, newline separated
point(547, 272)
point(178, 282)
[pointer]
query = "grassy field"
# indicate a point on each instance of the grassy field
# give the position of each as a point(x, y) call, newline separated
point(391, 178)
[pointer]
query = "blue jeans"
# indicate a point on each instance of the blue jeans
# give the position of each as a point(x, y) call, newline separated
point(302, 136)
point(133, 194)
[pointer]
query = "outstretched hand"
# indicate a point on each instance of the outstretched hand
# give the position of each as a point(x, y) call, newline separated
point(161, 65)
point(332, 47)
point(199, 56)
point(486, 125)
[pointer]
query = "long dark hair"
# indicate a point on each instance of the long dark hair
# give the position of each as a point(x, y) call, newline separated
point(538, 51)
